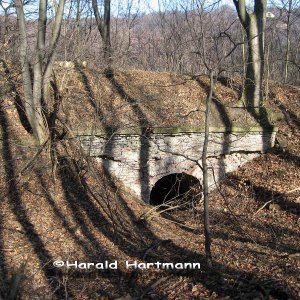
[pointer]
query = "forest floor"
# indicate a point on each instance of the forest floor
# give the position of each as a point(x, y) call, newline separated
point(66, 207)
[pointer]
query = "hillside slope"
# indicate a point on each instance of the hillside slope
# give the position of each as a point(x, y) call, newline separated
point(66, 207)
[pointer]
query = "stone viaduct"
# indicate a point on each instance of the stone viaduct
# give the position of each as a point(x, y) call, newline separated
point(147, 128)
point(140, 159)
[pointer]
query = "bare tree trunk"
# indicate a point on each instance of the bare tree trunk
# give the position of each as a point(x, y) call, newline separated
point(244, 51)
point(268, 67)
point(78, 17)
point(32, 105)
point(104, 29)
point(254, 25)
point(34, 92)
point(205, 173)
point(288, 41)
point(37, 70)
point(52, 47)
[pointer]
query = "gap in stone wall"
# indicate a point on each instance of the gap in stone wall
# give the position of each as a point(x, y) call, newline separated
point(176, 189)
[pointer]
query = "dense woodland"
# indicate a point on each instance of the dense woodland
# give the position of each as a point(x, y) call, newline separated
point(67, 65)
point(169, 39)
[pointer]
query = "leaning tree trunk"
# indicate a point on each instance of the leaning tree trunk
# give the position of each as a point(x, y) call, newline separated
point(53, 44)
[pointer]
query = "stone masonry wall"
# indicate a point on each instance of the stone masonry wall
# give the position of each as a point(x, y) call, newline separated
point(139, 161)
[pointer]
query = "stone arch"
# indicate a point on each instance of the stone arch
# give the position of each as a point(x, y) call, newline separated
point(176, 188)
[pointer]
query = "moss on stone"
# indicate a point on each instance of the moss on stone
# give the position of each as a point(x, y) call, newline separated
point(177, 130)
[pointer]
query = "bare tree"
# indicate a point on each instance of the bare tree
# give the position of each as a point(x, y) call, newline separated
point(289, 7)
point(103, 24)
point(37, 89)
point(205, 171)
point(288, 40)
point(5, 26)
point(8, 30)
point(254, 25)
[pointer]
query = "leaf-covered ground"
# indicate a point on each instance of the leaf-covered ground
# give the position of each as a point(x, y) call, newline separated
point(65, 207)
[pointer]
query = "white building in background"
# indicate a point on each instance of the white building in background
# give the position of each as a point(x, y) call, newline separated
point(270, 15)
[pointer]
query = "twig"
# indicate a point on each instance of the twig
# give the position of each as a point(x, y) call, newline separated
point(156, 283)
point(294, 190)
point(180, 224)
point(28, 164)
point(262, 207)
point(154, 245)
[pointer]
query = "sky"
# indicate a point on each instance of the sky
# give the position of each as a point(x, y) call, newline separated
point(119, 6)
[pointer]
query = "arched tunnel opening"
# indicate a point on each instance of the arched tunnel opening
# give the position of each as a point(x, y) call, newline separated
point(176, 189)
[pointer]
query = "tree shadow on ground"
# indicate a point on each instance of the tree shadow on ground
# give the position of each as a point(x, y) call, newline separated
point(144, 126)
point(212, 279)
point(237, 233)
point(129, 234)
point(103, 208)
point(227, 123)
point(87, 214)
point(140, 240)
point(288, 156)
point(289, 115)
point(97, 209)
point(262, 195)
point(4, 281)
point(221, 108)
point(17, 98)
point(54, 276)
point(137, 239)
point(260, 114)
point(93, 100)
point(232, 84)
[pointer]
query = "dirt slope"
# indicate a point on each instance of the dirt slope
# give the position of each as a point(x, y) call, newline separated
point(65, 207)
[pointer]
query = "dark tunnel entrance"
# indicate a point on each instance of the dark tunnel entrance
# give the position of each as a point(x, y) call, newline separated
point(176, 189)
